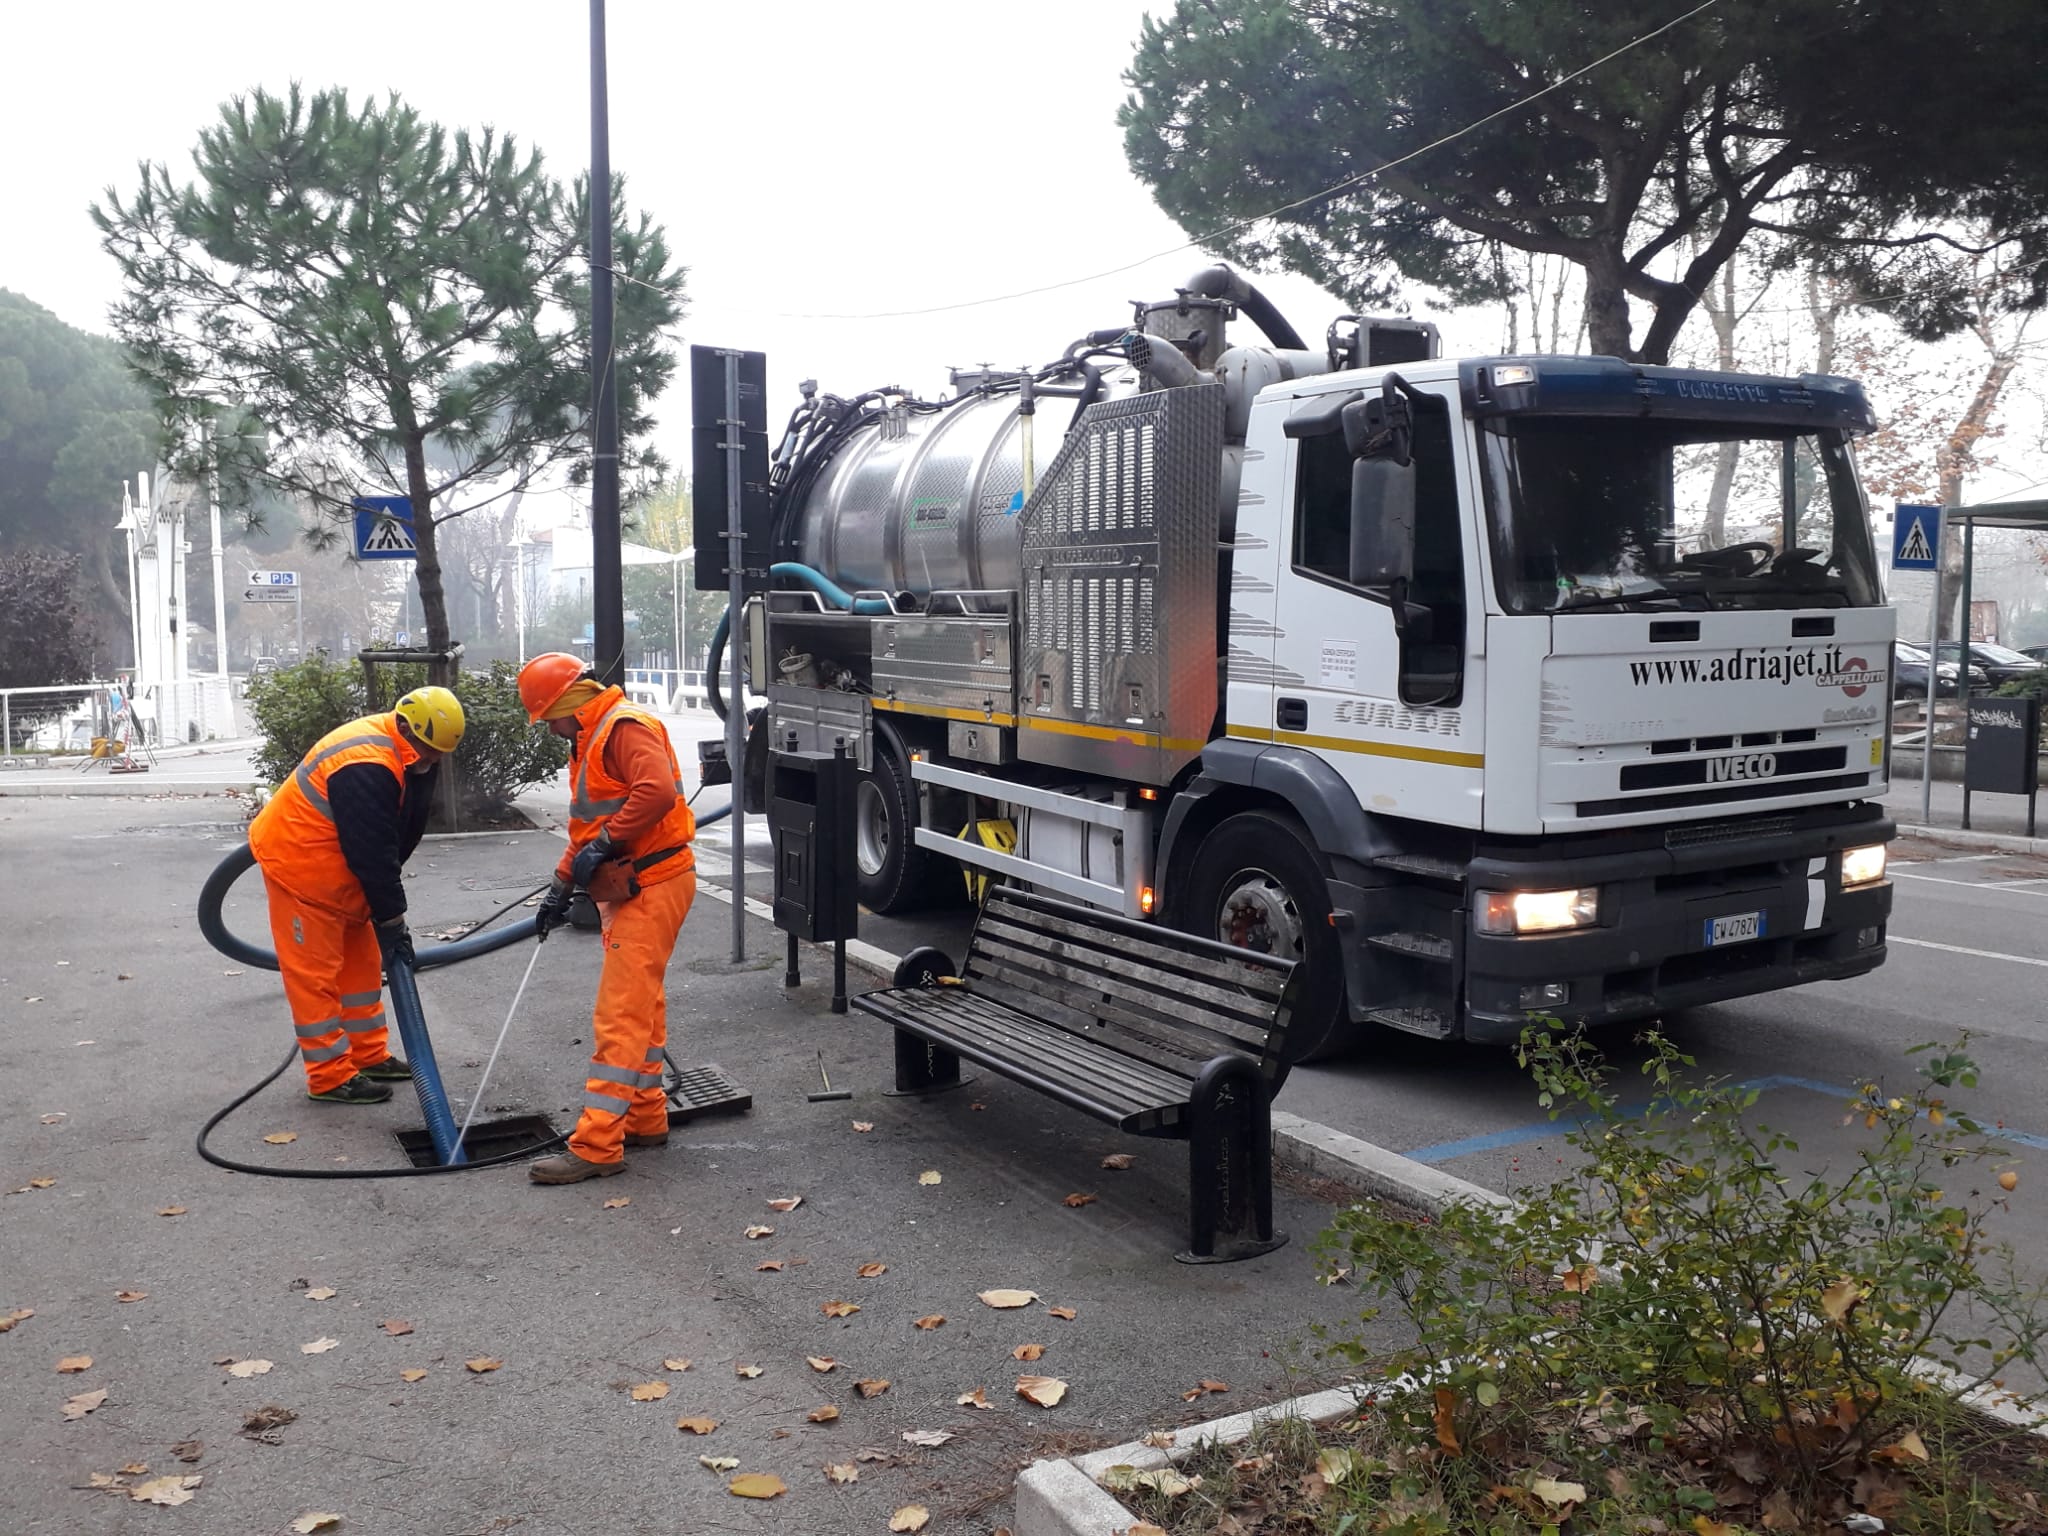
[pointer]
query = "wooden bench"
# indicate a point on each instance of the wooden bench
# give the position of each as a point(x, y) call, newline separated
point(1157, 1032)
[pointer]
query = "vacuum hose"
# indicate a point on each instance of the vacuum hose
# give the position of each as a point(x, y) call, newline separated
point(792, 570)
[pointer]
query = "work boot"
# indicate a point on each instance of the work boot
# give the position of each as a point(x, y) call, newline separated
point(392, 1069)
point(357, 1090)
point(565, 1167)
point(647, 1138)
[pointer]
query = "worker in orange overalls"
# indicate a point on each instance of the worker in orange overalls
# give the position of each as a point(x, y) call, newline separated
point(330, 843)
point(629, 847)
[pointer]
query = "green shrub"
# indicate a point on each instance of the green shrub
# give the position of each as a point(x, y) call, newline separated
point(2026, 687)
point(295, 706)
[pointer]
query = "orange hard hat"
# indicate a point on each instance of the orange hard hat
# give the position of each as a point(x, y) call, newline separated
point(543, 681)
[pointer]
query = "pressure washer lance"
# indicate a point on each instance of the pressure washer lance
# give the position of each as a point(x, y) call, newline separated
point(484, 1081)
point(830, 1092)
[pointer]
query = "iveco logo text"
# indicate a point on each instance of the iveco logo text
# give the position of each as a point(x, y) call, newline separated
point(1756, 765)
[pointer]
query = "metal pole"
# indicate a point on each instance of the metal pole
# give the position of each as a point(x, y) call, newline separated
point(607, 582)
point(1933, 672)
point(675, 592)
point(1969, 558)
point(220, 603)
point(736, 699)
point(299, 613)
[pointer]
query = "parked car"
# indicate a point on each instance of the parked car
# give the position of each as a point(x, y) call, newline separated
point(263, 666)
point(1909, 675)
point(2038, 652)
point(2001, 665)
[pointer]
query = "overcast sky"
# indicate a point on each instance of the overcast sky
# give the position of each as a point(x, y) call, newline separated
point(806, 159)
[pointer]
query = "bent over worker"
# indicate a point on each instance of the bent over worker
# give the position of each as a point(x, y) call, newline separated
point(330, 843)
point(629, 846)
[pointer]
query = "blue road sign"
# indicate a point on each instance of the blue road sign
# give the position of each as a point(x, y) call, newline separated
point(384, 528)
point(1916, 537)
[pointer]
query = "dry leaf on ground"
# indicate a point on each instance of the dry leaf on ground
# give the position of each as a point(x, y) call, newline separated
point(1077, 1201)
point(1336, 1462)
point(1064, 1314)
point(869, 1271)
point(71, 1365)
point(1118, 1160)
point(675, 1363)
point(306, 1524)
point(978, 1398)
point(1147, 1528)
point(618, 1202)
point(1908, 1447)
point(281, 1138)
point(318, 1346)
point(1580, 1278)
point(171, 1490)
point(936, 1320)
point(482, 1364)
point(842, 1472)
point(2008, 1181)
point(1552, 1492)
point(43, 1182)
point(189, 1450)
point(824, 1415)
point(786, 1204)
point(247, 1368)
point(821, 1363)
point(873, 1387)
point(54, 1116)
point(413, 1374)
point(696, 1426)
point(929, 1176)
point(839, 1308)
point(1005, 1300)
point(1046, 1391)
point(918, 1437)
point(169, 1210)
point(129, 1296)
point(757, 1231)
point(863, 1126)
point(1446, 1421)
point(78, 1407)
point(270, 1416)
point(136, 1469)
point(718, 1463)
point(757, 1485)
point(1202, 1389)
point(650, 1391)
point(771, 1267)
point(911, 1517)
point(397, 1327)
point(1027, 1352)
point(746, 1372)
point(1158, 1439)
point(322, 1293)
point(18, 1315)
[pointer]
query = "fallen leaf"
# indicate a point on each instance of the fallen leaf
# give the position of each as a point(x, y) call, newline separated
point(650, 1391)
point(936, 1320)
point(414, 1374)
point(842, 1472)
point(189, 1450)
point(172, 1490)
point(78, 1407)
point(757, 1485)
point(869, 1271)
point(697, 1427)
point(1251, 1464)
point(1027, 1352)
point(172, 1210)
point(41, 1183)
point(1147, 1528)
point(1839, 1299)
point(1158, 1439)
point(104, 1480)
point(135, 1469)
point(874, 1386)
point(757, 1232)
point(771, 1267)
point(71, 1365)
point(247, 1368)
point(786, 1204)
point(978, 1398)
point(839, 1308)
point(821, 1363)
point(1446, 1423)
point(911, 1517)
point(305, 1525)
point(1706, 1527)
point(18, 1315)
point(482, 1364)
point(977, 1104)
point(1006, 1300)
point(1077, 1201)
point(1779, 1512)
point(322, 1293)
point(131, 1295)
point(863, 1126)
point(397, 1327)
point(2008, 1181)
point(719, 1463)
point(1202, 1389)
point(824, 1415)
point(746, 1372)
point(53, 1118)
point(281, 1138)
point(1554, 1493)
point(1118, 1160)
point(231, 972)
point(916, 1437)
point(1908, 1447)
point(1580, 1278)
point(1046, 1391)
point(1165, 1480)
point(1064, 1314)
point(318, 1346)
point(618, 1202)
point(929, 1176)
point(270, 1416)
point(675, 1363)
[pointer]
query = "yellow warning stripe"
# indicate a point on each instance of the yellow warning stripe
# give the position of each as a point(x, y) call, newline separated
point(1364, 748)
point(1112, 733)
point(945, 712)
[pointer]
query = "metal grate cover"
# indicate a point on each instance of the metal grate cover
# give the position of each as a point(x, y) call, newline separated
point(697, 1091)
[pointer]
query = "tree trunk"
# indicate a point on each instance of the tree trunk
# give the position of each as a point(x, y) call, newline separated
point(1952, 459)
point(433, 592)
point(1607, 306)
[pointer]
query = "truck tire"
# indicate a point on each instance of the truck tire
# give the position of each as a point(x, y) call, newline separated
point(895, 874)
point(1256, 883)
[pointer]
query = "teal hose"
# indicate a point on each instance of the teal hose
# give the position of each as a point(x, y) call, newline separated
point(792, 570)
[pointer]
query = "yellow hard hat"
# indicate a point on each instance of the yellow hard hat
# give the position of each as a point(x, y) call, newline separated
point(435, 716)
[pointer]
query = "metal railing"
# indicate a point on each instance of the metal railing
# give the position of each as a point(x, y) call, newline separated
point(27, 712)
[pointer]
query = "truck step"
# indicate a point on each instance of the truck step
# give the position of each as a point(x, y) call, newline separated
point(1425, 866)
point(1416, 1021)
point(1413, 946)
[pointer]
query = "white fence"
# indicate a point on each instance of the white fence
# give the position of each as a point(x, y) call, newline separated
point(65, 718)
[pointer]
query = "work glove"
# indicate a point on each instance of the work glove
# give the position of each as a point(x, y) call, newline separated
point(394, 941)
point(554, 907)
point(590, 858)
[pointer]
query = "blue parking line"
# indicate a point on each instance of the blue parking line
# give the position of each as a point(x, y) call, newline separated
point(1493, 1141)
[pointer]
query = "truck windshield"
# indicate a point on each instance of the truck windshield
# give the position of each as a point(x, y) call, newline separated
point(1626, 513)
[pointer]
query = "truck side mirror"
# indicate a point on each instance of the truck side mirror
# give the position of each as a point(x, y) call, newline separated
point(1383, 526)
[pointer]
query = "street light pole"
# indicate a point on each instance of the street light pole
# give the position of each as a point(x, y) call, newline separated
point(675, 575)
point(519, 592)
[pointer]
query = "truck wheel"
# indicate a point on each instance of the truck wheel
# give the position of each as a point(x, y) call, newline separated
point(895, 874)
point(1256, 883)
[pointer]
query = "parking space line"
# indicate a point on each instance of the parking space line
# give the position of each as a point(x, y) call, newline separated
point(1957, 949)
point(1975, 885)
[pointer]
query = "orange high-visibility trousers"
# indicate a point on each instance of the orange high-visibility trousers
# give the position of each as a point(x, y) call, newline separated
point(630, 1023)
point(334, 985)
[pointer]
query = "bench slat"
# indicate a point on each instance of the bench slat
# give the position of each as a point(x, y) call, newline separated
point(1178, 1050)
point(1261, 974)
point(1157, 1055)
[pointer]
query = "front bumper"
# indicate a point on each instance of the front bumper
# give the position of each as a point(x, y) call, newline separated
point(1651, 952)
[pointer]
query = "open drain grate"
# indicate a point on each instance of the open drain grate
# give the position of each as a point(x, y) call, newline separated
point(486, 1139)
point(698, 1091)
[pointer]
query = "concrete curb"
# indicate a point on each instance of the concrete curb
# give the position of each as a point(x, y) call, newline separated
point(123, 789)
point(1360, 1165)
point(2001, 842)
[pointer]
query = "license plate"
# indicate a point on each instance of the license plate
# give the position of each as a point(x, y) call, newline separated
point(1736, 928)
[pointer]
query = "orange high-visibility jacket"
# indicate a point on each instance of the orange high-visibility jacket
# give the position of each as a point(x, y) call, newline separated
point(294, 836)
point(659, 854)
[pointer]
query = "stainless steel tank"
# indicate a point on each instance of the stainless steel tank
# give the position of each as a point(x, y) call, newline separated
point(929, 503)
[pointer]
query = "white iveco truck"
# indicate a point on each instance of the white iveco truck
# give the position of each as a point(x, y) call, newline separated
point(1418, 671)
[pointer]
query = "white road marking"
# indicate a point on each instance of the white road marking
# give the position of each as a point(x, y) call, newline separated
point(1975, 885)
point(1957, 949)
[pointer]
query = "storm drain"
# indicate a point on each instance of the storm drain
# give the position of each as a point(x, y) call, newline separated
point(705, 1090)
point(486, 1139)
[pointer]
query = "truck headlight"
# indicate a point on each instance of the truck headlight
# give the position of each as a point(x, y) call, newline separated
point(1862, 866)
point(1536, 911)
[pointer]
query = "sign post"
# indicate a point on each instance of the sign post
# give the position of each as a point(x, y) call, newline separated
point(1916, 546)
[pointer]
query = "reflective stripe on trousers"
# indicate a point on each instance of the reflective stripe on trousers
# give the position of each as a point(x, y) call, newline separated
point(622, 1092)
point(333, 983)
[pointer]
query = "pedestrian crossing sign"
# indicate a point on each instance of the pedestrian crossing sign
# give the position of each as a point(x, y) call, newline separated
point(1916, 537)
point(384, 528)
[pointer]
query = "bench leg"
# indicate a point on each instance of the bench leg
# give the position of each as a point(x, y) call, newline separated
point(922, 1067)
point(1230, 1165)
